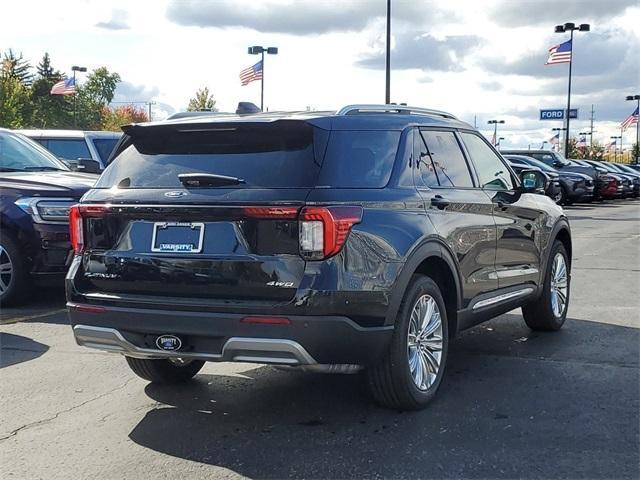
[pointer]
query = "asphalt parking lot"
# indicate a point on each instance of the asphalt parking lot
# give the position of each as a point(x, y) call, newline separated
point(513, 404)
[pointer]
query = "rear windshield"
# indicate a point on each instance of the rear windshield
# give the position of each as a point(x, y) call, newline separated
point(275, 155)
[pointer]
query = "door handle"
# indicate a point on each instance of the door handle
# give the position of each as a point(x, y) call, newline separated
point(439, 202)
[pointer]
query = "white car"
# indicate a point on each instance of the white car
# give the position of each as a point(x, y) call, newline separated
point(73, 145)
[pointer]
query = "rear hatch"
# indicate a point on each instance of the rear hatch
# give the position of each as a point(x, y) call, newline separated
point(227, 232)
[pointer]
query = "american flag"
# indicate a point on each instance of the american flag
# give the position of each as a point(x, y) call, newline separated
point(493, 139)
point(610, 146)
point(252, 73)
point(630, 120)
point(560, 53)
point(64, 87)
point(555, 140)
point(582, 143)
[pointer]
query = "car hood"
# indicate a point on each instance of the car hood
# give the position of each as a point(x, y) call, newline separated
point(50, 183)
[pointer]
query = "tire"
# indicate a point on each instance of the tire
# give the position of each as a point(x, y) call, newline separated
point(14, 273)
point(540, 314)
point(164, 371)
point(392, 382)
point(563, 196)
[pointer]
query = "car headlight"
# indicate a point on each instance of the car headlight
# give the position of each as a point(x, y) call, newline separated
point(46, 210)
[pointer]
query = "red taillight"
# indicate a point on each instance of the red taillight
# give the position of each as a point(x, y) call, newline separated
point(76, 228)
point(266, 320)
point(324, 230)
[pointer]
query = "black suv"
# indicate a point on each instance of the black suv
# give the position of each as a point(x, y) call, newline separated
point(338, 241)
point(36, 193)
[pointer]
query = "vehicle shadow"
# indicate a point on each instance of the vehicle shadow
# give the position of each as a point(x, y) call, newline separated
point(44, 304)
point(16, 349)
point(511, 397)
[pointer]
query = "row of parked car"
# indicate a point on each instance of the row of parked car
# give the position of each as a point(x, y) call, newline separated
point(572, 181)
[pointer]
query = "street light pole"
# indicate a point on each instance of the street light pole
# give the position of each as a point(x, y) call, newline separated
point(495, 130)
point(75, 69)
point(584, 27)
point(387, 95)
point(258, 49)
point(615, 146)
point(637, 99)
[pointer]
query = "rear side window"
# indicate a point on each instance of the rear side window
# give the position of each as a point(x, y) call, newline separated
point(448, 160)
point(426, 172)
point(359, 159)
point(71, 149)
point(273, 155)
point(104, 146)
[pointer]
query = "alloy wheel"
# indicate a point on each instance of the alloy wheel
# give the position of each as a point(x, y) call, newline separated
point(424, 342)
point(6, 270)
point(559, 285)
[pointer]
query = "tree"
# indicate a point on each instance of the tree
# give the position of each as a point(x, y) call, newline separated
point(14, 96)
point(91, 98)
point(101, 85)
point(203, 101)
point(45, 70)
point(114, 118)
point(49, 111)
point(16, 67)
point(635, 153)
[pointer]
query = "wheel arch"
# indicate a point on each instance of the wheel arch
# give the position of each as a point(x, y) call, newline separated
point(434, 260)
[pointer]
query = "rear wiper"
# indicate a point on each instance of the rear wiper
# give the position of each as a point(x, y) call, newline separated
point(207, 180)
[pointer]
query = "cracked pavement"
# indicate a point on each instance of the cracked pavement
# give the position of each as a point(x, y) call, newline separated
point(514, 403)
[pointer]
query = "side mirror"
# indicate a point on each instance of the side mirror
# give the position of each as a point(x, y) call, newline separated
point(88, 165)
point(558, 164)
point(533, 181)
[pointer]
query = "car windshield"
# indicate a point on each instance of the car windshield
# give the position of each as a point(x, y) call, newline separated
point(19, 154)
point(537, 163)
point(627, 169)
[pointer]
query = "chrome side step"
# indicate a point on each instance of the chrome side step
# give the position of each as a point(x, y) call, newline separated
point(503, 297)
point(237, 349)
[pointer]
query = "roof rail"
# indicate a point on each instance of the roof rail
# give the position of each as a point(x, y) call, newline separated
point(392, 108)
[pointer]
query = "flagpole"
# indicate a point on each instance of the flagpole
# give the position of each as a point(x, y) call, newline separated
point(262, 83)
point(75, 120)
point(566, 138)
point(387, 95)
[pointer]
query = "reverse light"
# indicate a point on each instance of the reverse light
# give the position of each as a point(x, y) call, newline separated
point(324, 230)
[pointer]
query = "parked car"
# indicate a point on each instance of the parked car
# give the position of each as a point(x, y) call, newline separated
point(36, 192)
point(635, 176)
point(634, 166)
point(574, 186)
point(553, 190)
point(73, 145)
point(360, 239)
point(608, 185)
point(627, 180)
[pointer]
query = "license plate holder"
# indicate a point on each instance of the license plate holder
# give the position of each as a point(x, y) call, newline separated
point(177, 237)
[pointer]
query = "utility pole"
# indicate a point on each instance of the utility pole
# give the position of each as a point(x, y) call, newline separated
point(387, 95)
point(591, 128)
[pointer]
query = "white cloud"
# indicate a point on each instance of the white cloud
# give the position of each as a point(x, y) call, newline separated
point(166, 54)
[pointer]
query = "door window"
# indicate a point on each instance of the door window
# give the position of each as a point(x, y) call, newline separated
point(426, 172)
point(71, 149)
point(447, 159)
point(492, 172)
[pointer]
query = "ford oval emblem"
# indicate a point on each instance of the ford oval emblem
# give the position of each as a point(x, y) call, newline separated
point(175, 194)
point(168, 342)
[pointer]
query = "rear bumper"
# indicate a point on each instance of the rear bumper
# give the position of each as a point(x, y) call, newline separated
point(305, 340)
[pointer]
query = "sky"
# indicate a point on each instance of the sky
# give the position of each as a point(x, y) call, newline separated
point(479, 60)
